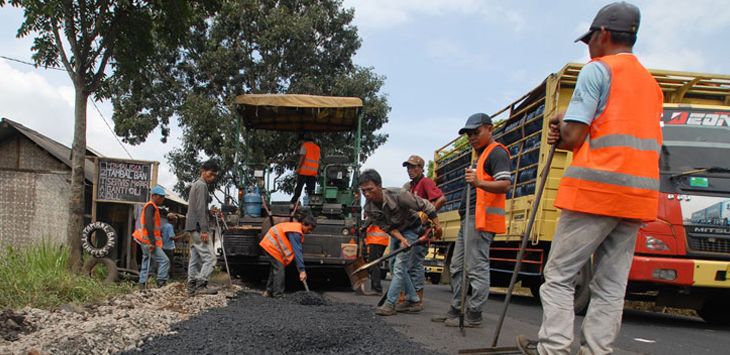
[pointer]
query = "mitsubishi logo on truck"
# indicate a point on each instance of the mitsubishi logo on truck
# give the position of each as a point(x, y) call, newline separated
point(697, 118)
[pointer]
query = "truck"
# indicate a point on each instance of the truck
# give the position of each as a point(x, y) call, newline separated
point(334, 243)
point(682, 259)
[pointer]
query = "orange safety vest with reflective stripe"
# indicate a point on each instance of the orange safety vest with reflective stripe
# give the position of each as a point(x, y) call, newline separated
point(376, 235)
point(276, 243)
point(310, 165)
point(616, 171)
point(489, 214)
point(141, 235)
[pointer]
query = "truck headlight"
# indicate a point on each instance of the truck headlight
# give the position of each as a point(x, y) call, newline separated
point(655, 244)
point(664, 274)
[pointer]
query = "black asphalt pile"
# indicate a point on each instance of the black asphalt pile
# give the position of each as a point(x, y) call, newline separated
point(12, 324)
point(307, 298)
point(299, 323)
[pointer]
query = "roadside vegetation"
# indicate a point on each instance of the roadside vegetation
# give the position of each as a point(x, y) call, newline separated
point(38, 276)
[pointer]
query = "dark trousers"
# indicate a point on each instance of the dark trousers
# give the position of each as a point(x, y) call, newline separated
point(375, 251)
point(277, 274)
point(310, 181)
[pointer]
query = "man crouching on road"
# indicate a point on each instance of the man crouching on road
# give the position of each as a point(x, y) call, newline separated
point(202, 261)
point(283, 243)
point(395, 211)
point(490, 181)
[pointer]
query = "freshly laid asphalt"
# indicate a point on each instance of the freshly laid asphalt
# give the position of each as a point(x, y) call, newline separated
point(299, 323)
point(341, 322)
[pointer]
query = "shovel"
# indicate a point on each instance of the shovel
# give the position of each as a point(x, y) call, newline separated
point(494, 349)
point(223, 247)
point(464, 283)
point(422, 240)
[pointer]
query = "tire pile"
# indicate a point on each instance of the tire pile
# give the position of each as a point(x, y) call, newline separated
point(299, 323)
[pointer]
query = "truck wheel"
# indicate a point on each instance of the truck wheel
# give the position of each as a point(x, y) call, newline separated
point(111, 273)
point(98, 251)
point(435, 278)
point(715, 310)
point(582, 289)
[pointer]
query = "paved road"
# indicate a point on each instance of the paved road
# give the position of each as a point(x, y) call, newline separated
point(641, 333)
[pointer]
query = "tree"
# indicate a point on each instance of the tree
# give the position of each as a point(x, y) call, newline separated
point(95, 41)
point(253, 46)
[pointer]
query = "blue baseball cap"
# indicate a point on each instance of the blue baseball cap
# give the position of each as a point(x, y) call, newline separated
point(159, 190)
point(474, 121)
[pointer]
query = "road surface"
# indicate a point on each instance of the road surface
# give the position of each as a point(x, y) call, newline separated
point(642, 332)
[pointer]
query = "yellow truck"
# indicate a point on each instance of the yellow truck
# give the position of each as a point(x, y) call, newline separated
point(683, 258)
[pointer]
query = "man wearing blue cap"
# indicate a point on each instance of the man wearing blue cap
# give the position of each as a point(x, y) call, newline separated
point(489, 183)
point(149, 238)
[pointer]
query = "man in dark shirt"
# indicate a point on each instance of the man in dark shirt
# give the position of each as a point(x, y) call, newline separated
point(425, 188)
point(395, 211)
point(497, 165)
point(202, 261)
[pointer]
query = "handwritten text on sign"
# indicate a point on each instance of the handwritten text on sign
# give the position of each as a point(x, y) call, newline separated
point(123, 181)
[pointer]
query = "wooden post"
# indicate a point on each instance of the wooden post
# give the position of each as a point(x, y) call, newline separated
point(93, 189)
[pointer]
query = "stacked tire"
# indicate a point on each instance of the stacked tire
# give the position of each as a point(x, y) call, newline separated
point(99, 253)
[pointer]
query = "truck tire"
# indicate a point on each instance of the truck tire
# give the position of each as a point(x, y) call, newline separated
point(582, 289)
point(111, 267)
point(715, 311)
point(95, 250)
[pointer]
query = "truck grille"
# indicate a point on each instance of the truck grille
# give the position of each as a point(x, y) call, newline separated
point(711, 243)
point(243, 245)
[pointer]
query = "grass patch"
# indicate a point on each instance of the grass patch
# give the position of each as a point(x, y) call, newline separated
point(38, 276)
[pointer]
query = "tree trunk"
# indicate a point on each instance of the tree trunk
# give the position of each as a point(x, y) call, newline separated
point(77, 203)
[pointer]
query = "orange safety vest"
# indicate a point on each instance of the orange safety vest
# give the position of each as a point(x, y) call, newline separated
point(489, 214)
point(276, 243)
point(616, 171)
point(376, 235)
point(141, 235)
point(310, 165)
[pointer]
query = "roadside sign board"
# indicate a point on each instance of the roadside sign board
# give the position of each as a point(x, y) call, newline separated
point(124, 181)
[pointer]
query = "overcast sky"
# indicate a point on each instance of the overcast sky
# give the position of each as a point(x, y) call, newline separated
point(443, 61)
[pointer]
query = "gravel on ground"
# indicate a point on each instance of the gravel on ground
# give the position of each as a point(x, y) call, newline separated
point(123, 323)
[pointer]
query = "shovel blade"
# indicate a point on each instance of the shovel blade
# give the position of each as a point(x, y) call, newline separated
point(357, 274)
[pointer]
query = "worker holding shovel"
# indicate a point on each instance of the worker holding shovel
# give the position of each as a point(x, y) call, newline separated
point(490, 182)
point(395, 211)
point(283, 243)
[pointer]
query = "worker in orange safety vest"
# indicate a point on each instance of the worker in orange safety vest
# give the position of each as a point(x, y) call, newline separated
point(149, 237)
point(612, 125)
point(283, 243)
point(307, 168)
point(376, 240)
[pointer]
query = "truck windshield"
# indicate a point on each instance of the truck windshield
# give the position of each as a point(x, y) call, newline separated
point(695, 155)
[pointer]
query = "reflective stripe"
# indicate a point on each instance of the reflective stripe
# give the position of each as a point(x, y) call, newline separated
point(280, 244)
point(611, 178)
point(378, 234)
point(311, 161)
point(304, 167)
point(495, 210)
point(625, 141)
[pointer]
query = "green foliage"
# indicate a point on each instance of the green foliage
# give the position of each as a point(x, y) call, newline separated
point(37, 276)
point(430, 169)
point(250, 46)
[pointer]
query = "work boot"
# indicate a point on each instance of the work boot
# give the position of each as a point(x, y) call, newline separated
point(203, 289)
point(191, 287)
point(401, 298)
point(409, 307)
point(471, 320)
point(161, 283)
point(527, 346)
point(387, 309)
point(420, 297)
point(266, 294)
point(142, 286)
point(451, 313)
